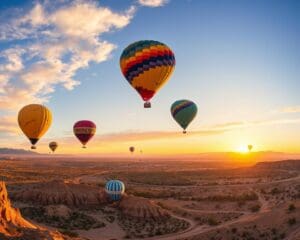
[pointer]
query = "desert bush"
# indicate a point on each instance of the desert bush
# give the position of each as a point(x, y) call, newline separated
point(275, 191)
point(282, 235)
point(291, 207)
point(292, 221)
point(255, 208)
point(69, 233)
point(212, 221)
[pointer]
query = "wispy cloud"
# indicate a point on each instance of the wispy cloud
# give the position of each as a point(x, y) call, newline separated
point(153, 3)
point(8, 125)
point(217, 129)
point(291, 109)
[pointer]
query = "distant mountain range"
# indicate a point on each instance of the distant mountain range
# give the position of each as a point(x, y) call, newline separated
point(12, 151)
point(284, 165)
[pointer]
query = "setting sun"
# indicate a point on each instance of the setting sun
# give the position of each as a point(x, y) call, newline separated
point(242, 149)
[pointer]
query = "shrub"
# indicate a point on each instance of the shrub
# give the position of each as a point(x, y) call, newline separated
point(255, 208)
point(292, 221)
point(292, 208)
point(212, 222)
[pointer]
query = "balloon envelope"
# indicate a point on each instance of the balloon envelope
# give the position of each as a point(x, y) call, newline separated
point(115, 189)
point(147, 66)
point(34, 120)
point(184, 111)
point(84, 130)
point(53, 146)
point(131, 149)
point(250, 147)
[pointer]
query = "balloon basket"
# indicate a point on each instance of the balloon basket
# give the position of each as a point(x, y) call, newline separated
point(184, 132)
point(147, 105)
point(33, 147)
point(83, 146)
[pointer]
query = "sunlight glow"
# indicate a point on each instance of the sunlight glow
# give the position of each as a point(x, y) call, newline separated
point(242, 149)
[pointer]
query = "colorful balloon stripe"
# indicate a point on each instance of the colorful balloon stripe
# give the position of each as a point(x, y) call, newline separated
point(147, 65)
point(181, 106)
point(184, 111)
point(152, 62)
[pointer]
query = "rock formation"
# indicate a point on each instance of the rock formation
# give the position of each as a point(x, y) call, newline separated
point(59, 192)
point(14, 227)
point(141, 208)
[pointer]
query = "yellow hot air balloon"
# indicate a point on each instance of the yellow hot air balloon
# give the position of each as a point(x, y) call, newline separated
point(34, 120)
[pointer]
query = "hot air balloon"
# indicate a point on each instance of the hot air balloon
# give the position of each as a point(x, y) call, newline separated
point(131, 149)
point(34, 120)
point(53, 146)
point(250, 147)
point(184, 111)
point(84, 130)
point(147, 66)
point(115, 189)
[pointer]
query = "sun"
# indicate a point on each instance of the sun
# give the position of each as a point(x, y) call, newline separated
point(242, 149)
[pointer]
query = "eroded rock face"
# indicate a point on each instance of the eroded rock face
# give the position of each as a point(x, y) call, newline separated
point(58, 192)
point(10, 217)
point(14, 227)
point(141, 208)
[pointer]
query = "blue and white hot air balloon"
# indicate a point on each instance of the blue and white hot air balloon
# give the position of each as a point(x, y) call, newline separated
point(115, 189)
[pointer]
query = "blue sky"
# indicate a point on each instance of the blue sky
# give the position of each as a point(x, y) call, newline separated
point(238, 60)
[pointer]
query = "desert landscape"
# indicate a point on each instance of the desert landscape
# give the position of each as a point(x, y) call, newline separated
point(64, 198)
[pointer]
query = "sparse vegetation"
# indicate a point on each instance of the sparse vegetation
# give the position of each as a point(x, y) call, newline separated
point(143, 227)
point(76, 220)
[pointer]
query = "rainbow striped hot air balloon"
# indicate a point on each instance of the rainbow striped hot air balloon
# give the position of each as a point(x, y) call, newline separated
point(147, 66)
point(115, 189)
point(84, 130)
point(184, 111)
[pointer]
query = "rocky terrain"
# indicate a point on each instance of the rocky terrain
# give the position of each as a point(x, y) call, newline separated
point(292, 165)
point(14, 227)
point(59, 192)
point(139, 207)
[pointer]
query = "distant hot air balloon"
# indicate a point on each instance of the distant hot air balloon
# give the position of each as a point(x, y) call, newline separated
point(147, 66)
point(53, 146)
point(84, 130)
point(115, 189)
point(184, 111)
point(34, 120)
point(250, 147)
point(131, 149)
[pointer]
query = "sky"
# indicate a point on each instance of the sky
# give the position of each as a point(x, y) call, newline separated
point(239, 61)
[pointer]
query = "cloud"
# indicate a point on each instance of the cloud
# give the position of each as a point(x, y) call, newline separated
point(291, 109)
point(8, 125)
point(206, 131)
point(53, 44)
point(153, 3)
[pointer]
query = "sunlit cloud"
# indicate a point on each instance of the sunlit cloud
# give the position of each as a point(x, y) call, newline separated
point(217, 129)
point(153, 3)
point(55, 44)
point(8, 125)
point(291, 109)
